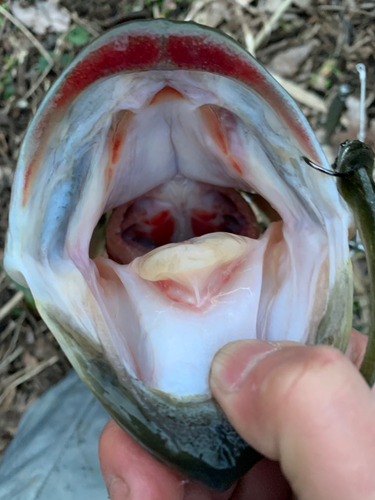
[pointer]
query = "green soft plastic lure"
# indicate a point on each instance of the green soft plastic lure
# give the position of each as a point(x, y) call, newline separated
point(355, 163)
point(354, 169)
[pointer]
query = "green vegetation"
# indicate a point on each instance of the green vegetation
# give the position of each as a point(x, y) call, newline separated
point(78, 36)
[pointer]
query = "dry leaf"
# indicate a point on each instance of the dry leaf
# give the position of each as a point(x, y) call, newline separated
point(268, 5)
point(213, 15)
point(272, 5)
point(43, 349)
point(351, 118)
point(42, 17)
point(351, 133)
point(287, 63)
point(29, 360)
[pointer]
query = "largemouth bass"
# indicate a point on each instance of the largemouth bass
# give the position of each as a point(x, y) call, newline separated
point(178, 140)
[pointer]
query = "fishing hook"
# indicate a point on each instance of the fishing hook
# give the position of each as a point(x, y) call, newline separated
point(310, 163)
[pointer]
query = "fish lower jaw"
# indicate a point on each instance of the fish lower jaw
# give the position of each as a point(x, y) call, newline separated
point(181, 303)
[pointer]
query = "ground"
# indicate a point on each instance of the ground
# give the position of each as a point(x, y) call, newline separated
point(313, 45)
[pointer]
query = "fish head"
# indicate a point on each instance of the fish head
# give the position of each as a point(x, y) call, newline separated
point(178, 140)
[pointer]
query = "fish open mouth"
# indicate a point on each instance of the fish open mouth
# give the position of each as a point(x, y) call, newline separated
point(185, 268)
point(165, 157)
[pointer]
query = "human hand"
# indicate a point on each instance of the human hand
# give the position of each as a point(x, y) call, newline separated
point(307, 409)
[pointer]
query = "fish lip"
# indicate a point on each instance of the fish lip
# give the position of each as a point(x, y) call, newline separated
point(164, 30)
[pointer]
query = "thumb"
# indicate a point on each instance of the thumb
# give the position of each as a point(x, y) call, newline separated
point(306, 407)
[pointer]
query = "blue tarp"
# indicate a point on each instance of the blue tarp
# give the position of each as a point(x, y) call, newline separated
point(54, 455)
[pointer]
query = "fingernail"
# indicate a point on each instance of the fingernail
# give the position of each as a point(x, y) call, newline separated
point(235, 361)
point(118, 489)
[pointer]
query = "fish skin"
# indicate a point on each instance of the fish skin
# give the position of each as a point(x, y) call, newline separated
point(194, 439)
point(218, 456)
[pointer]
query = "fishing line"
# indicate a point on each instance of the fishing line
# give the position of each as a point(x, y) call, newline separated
point(361, 68)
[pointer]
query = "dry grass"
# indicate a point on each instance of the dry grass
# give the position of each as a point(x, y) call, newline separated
point(312, 46)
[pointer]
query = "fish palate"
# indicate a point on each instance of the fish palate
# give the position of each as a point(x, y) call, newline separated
point(171, 142)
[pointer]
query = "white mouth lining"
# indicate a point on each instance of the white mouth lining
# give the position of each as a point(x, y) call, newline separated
point(265, 130)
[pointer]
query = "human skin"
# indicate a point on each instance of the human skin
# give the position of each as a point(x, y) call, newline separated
point(306, 409)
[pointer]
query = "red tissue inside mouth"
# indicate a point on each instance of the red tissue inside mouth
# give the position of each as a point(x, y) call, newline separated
point(149, 222)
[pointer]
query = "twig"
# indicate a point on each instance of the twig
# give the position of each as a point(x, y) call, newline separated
point(8, 360)
point(27, 33)
point(16, 299)
point(155, 11)
point(195, 8)
point(301, 95)
point(43, 75)
point(334, 8)
point(15, 336)
point(8, 330)
point(39, 81)
point(270, 24)
point(31, 319)
point(27, 375)
point(363, 41)
point(248, 36)
point(84, 23)
point(13, 327)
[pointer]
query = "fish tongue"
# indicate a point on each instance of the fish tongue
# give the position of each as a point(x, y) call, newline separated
point(193, 272)
point(179, 304)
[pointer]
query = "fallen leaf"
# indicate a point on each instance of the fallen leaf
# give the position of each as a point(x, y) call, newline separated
point(29, 360)
point(287, 63)
point(212, 15)
point(272, 5)
point(351, 118)
point(268, 5)
point(351, 133)
point(42, 17)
